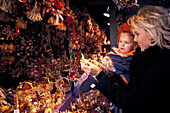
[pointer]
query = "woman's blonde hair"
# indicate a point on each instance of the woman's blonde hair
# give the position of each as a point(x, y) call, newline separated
point(156, 21)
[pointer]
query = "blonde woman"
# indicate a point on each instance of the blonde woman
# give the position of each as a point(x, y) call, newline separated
point(148, 88)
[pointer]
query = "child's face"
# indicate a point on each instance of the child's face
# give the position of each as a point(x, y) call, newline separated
point(126, 43)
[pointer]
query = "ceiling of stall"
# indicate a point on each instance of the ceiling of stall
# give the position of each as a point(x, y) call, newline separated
point(96, 8)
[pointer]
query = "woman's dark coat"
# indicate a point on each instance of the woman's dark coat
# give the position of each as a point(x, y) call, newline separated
point(149, 88)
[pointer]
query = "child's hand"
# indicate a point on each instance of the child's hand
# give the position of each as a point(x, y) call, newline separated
point(107, 61)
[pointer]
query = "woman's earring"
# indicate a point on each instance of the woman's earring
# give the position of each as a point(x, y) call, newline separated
point(152, 41)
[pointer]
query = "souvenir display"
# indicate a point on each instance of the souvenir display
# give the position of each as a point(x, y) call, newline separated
point(41, 43)
point(37, 96)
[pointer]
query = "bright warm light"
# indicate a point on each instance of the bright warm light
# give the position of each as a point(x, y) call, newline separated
point(106, 14)
point(108, 24)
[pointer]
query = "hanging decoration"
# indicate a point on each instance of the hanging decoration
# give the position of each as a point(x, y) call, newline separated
point(21, 23)
point(40, 47)
point(4, 17)
point(6, 5)
point(33, 49)
point(10, 33)
point(34, 15)
point(125, 3)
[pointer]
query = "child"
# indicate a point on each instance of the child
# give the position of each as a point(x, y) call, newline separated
point(117, 61)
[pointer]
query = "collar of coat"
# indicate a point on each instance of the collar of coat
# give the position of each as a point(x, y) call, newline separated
point(116, 51)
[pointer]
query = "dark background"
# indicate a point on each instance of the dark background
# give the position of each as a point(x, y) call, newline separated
point(96, 8)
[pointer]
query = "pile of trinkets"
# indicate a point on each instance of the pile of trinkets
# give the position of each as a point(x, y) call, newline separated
point(44, 96)
point(36, 96)
point(89, 102)
point(92, 102)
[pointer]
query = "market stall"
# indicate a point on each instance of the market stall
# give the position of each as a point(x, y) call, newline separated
point(40, 47)
point(41, 42)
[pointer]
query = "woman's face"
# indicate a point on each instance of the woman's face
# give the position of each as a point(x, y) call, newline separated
point(142, 38)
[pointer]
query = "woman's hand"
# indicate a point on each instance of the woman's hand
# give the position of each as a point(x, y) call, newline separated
point(90, 67)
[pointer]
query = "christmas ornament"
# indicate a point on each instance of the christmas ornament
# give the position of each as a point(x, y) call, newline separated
point(34, 15)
